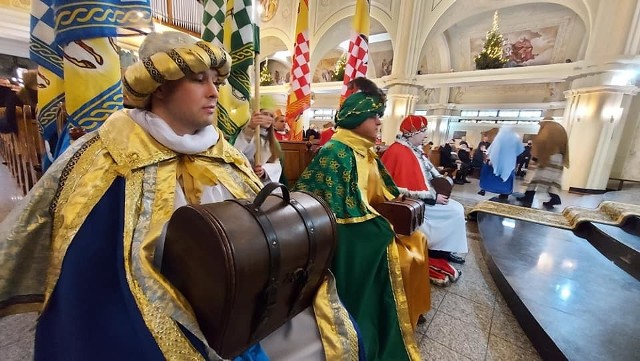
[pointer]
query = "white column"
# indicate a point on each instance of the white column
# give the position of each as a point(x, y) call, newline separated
point(399, 105)
point(403, 94)
point(594, 118)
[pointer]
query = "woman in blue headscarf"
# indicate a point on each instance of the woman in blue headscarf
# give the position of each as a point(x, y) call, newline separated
point(497, 175)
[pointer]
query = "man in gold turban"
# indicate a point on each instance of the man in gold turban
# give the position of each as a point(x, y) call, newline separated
point(381, 278)
point(83, 246)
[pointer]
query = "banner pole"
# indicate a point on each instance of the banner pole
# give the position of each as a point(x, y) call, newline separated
point(256, 81)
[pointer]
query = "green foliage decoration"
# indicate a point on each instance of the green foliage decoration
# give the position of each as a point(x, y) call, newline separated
point(338, 73)
point(491, 56)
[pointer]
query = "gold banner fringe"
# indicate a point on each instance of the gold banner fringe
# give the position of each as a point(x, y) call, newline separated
point(608, 212)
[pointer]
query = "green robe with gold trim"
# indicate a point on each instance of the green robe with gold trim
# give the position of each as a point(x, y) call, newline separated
point(347, 173)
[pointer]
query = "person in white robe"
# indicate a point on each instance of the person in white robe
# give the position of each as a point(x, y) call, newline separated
point(269, 167)
point(444, 221)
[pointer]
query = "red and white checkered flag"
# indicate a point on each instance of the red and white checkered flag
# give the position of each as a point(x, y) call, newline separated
point(358, 55)
point(300, 97)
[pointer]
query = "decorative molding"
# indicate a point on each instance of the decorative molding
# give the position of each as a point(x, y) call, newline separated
point(459, 93)
point(286, 12)
point(270, 8)
point(14, 32)
point(616, 89)
point(523, 75)
point(383, 5)
point(476, 106)
point(21, 4)
point(560, 49)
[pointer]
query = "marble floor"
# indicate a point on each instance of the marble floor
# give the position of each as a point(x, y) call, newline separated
point(469, 320)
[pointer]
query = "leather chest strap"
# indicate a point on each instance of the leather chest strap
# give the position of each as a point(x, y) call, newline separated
point(269, 295)
point(301, 276)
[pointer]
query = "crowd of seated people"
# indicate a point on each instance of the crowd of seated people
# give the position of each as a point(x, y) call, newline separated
point(458, 160)
point(16, 95)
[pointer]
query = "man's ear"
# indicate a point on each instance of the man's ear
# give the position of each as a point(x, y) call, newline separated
point(161, 92)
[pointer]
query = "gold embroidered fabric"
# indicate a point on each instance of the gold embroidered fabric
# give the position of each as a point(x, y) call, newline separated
point(172, 342)
point(25, 241)
point(370, 182)
point(608, 212)
point(90, 172)
point(402, 304)
point(120, 148)
point(339, 337)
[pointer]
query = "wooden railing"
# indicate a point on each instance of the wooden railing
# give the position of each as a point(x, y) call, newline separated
point(23, 151)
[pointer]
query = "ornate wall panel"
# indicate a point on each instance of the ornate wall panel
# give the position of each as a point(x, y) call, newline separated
point(522, 93)
point(534, 34)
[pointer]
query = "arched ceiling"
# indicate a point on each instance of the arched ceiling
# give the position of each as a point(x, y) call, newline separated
point(340, 32)
point(460, 26)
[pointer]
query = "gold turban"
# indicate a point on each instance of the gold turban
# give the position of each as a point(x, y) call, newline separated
point(171, 63)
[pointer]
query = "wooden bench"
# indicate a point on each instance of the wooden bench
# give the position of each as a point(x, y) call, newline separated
point(622, 180)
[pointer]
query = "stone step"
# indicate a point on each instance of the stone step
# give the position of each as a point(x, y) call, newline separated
point(571, 300)
point(616, 243)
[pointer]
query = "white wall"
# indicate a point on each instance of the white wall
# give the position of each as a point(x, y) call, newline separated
point(474, 136)
point(14, 32)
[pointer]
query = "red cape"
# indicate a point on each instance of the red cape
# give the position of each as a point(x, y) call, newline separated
point(325, 136)
point(404, 168)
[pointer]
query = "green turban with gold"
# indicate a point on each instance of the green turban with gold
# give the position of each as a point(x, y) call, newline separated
point(357, 108)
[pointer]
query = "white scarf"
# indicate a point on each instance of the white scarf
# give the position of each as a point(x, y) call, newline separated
point(202, 140)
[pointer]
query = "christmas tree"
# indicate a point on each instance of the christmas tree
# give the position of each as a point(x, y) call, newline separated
point(265, 75)
point(491, 55)
point(338, 73)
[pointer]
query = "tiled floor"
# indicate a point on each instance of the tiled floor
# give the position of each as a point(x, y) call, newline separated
point(469, 320)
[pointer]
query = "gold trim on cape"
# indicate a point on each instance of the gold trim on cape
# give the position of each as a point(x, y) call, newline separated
point(402, 305)
point(25, 241)
point(339, 337)
point(89, 172)
point(171, 341)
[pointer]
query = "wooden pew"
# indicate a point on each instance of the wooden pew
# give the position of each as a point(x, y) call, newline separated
point(4, 141)
point(297, 155)
point(34, 146)
point(24, 176)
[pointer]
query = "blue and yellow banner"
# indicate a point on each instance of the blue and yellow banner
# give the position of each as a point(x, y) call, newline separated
point(73, 44)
